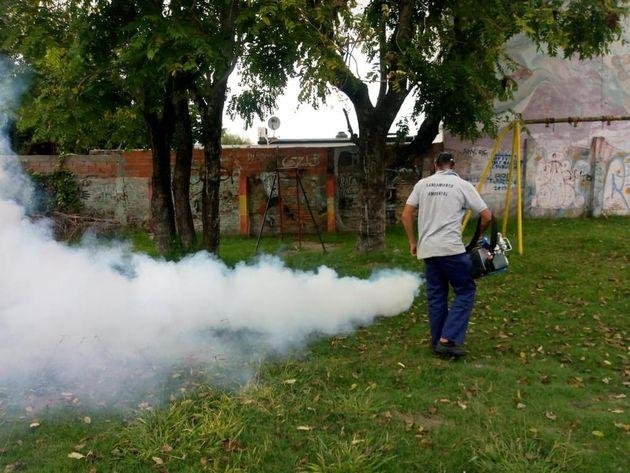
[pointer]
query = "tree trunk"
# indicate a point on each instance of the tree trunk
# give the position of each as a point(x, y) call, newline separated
point(212, 125)
point(372, 191)
point(162, 212)
point(160, 128)
point(210, 194)
point(181, 175)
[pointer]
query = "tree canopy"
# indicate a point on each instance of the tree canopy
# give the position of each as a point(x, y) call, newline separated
point(70, 101)
point(449, 55)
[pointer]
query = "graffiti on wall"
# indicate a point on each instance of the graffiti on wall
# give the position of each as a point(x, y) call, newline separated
point(617, 186)
point(569, 171)
point(309, 161)
point(347, 180)
point(498, 176)
point(561, 180)
point(348, 185)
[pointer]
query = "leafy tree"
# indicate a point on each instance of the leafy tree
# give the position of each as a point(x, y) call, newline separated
point(152, 59)
point(62, 106)
point(228, 34)
point(105, 61)
point(228, 138)
point(449, 55)
point(58, 191)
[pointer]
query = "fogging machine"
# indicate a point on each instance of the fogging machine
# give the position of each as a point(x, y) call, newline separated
point(488, 256)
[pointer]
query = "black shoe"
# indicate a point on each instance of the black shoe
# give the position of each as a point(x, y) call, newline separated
point(449, 349)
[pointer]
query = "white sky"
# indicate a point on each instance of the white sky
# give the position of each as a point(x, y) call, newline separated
point(303, 121)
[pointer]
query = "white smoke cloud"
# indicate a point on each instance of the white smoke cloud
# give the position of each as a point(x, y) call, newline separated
point(94, 312)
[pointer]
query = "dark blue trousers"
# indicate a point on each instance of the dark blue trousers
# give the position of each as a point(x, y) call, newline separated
point(440, 272)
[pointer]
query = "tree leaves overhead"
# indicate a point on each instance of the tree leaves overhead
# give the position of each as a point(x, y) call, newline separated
point(450, 54)
point(70, 101)
point(96, 65)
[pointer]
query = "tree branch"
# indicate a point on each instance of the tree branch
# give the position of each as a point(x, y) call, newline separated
point(382, 51)
point(421, 142)
point(355, 89)
point(389, 103)
point(353, 136)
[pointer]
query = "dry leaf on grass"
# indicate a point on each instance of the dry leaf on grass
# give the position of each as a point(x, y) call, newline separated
point(232, 445)
point(11, 467)
point(76, 455)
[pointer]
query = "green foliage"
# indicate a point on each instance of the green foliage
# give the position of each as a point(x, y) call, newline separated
point(96, 68)
point(58, 191)
point(449, 55)
point(349, 456)
point(518, 453)
point(72, 100)
point(228, 138)
point(203, 428)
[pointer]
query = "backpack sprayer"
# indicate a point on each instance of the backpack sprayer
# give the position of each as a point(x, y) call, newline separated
point(488, 256)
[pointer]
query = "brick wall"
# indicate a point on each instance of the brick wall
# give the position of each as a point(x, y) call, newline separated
point(117, 186)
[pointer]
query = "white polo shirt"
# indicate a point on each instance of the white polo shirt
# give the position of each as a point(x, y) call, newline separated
point(442, 200)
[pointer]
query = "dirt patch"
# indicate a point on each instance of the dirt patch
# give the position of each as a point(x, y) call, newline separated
point(411, 420)
point(311, 246)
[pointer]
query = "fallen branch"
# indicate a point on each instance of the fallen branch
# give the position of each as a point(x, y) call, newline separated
point(71, 226)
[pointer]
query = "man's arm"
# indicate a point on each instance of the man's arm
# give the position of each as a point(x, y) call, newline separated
point(475, 203)
point(407, 220)
point(485, 215)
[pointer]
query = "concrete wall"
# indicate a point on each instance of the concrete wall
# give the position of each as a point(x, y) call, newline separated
point(570, 170)
point(117, 186)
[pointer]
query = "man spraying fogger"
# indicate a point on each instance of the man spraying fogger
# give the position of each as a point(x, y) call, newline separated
point(441, 201)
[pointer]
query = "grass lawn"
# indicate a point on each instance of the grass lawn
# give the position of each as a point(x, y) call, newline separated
point(544, 388)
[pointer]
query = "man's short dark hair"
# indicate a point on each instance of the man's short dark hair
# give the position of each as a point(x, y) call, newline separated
point(445, 158)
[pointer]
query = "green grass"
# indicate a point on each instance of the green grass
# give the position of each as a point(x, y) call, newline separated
point(543, 389)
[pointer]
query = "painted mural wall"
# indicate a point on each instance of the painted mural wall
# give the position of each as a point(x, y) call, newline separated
point(570, 169)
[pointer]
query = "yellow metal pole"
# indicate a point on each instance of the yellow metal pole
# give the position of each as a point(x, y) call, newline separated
point(486, 171)
point(519, 187)
point(508, 192)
